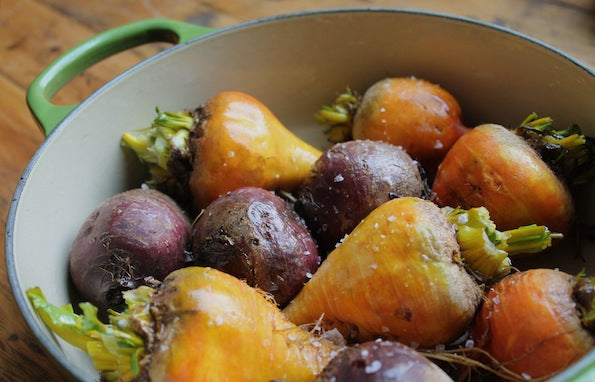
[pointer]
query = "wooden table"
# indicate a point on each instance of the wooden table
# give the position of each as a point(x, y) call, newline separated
point(34, 32)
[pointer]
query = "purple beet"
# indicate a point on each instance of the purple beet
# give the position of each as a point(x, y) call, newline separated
point(133, 238)
point(351, 179)
point(254, 235)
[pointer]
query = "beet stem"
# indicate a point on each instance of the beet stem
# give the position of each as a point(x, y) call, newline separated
point(115, 348)
point(154, 145)
point(485, 249)
point(529, 239)
point(568, 152)
point(339, 116)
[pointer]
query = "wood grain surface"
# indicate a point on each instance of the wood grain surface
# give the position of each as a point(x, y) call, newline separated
point(35, 32)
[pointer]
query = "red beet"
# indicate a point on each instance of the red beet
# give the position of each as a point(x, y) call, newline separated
point(348, 181)
point(381, 361)
point(131, 239)
point(254, 235)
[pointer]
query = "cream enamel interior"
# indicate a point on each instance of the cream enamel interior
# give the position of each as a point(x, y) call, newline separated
point(293, 64)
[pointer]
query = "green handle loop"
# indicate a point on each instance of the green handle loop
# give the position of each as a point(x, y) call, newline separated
point(93, 50)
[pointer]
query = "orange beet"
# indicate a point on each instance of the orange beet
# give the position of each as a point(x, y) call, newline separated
point(397, 275)
point(214, 327)
point(413, 113)
point(200, 324)
point(490, 166)
point(529, 323)
point(239, 142)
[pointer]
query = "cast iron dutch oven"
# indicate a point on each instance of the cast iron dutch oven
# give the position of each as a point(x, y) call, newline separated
point(293, 64)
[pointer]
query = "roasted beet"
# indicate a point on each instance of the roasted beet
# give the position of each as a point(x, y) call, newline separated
point(130, 239)
point(253, 234)
point(381, 361)
point(351, 179)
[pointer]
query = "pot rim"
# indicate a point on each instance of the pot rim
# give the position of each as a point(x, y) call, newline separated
point(49, 345)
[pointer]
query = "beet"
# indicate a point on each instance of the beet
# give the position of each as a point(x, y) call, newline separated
point(380, 361)
point(132, 238)
point(254, 235)
point(351, 179)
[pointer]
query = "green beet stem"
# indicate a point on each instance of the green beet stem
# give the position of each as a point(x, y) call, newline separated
point(115, 348)
point(568, 151)
point(485, 249)
point(338, 117)
point(529, 239)
point(154, 145)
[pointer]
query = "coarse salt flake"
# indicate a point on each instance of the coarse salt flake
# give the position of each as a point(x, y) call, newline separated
point(374, 367)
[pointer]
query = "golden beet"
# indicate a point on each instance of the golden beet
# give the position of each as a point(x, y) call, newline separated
point(397, 275)
point(416, 114)
point(214, 327)
point(530, 323)
point(230, 141)
point(239, 142)
point(490, 166)
point(200, 324)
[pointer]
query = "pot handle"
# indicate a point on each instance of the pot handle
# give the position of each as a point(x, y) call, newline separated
point(101, 46)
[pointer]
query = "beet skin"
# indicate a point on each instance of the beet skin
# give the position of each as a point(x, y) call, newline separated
point(254, 235)
point(351, 179)
point(132, 238)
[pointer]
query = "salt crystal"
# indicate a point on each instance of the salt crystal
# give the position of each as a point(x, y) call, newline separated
point(391, 218)
point(338, 178)
point(469, 343)
point(374, 367)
